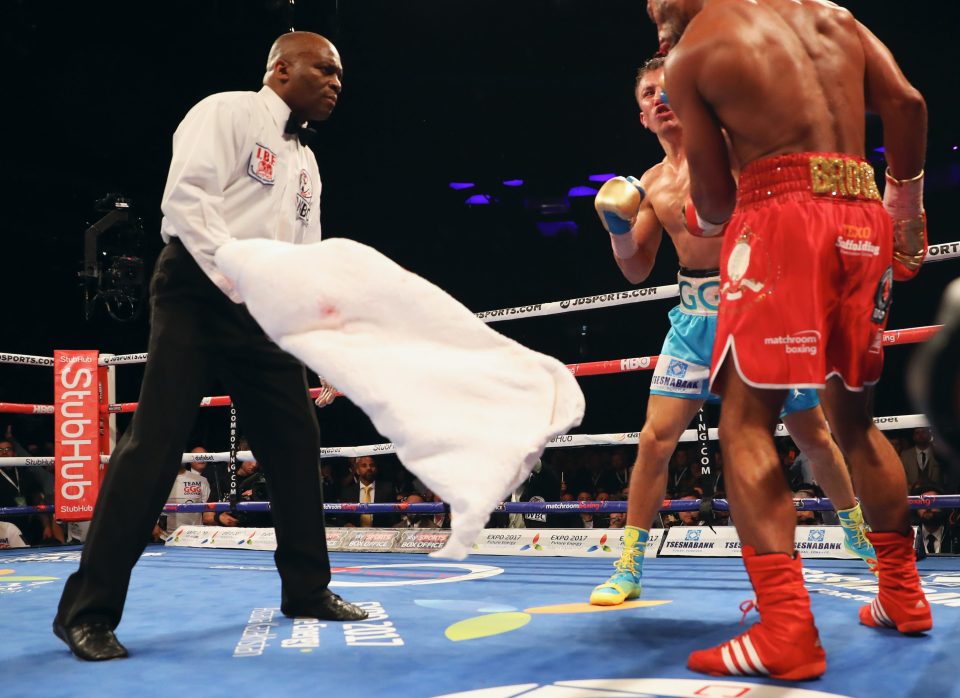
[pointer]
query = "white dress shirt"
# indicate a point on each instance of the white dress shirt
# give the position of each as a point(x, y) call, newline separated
point(235, 174)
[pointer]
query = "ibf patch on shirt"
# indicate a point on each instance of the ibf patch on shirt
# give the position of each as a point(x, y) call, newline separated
point(304, 196)
point(263, 164)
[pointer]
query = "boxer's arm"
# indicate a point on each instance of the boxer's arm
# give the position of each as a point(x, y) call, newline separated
point(904, 114)
point(900, 106)
point(712, 186)
point(646, 231)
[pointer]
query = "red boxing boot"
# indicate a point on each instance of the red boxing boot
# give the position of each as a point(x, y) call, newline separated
point(901, 603)
point(784, 644)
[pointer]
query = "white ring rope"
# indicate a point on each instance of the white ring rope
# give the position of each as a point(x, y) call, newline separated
point(907, 335)
point(904, 421)
point(936, 253)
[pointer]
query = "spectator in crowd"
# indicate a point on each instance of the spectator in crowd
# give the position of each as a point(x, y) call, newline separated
point(721, 518)
point(598, 475)
point(787, 451)
point(328, 481)
point(542, 485)
point(213, 472)
point(569, 468)
point(251, 487)
point(680, 472)
point(602, 519)
point(807, 490)
point(18, 488)
point(11, 536)
point(403, 482)
point(584, 520)
point(442, 520)
point(687, 518)
point(897, 440)
point(936, 534)
point(43, 527)
point(801, 471)
point(411, 520)
point(919, 461)
point(621, 463)
point(199, 466)
point(342, 477)
point(190, 487)
point(617, 519)
point(367, 488)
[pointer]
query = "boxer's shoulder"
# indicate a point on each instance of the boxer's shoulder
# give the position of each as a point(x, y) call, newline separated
point(655, 177)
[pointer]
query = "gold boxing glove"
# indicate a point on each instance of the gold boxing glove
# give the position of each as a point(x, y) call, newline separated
point(617, 203)
point(903, 200)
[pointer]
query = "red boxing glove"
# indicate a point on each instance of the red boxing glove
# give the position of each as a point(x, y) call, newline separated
point(903, 200)
point(698, 227)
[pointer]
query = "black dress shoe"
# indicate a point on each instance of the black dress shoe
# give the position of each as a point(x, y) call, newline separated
point(328, 607)
point(93, 642)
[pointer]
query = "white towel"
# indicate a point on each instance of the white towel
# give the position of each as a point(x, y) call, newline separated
point(468, 410)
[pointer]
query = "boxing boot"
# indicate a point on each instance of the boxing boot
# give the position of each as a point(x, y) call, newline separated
point(785, 643)
point(901, 603)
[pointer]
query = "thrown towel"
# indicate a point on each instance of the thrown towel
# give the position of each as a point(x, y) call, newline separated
point(468, 410)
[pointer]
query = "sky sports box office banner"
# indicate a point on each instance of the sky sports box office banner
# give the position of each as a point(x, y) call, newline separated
point(679, 541)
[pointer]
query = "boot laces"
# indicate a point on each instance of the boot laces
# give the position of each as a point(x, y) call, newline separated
point(746, 607)
point(860, 536)
point(627, 561)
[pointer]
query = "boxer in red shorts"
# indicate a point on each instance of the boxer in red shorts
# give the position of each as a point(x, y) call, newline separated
point(785, 329)
point(781, 88)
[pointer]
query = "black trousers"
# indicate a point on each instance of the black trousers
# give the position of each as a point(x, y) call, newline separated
point(198, 334)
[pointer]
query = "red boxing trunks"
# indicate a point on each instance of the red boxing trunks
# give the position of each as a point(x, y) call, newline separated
point(805, 275)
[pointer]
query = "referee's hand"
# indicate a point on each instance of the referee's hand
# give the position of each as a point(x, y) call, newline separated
point(327, 394)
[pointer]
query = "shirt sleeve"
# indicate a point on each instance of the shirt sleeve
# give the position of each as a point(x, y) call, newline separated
point(204, 489)
point(312, 231)
point(205, 156)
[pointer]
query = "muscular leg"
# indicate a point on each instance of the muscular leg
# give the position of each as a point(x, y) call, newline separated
point(877, 471)
point(808, 428)
point(785, 643)
point(760, 500)
point(144, 466)
point(667, 418)
point(881, 482)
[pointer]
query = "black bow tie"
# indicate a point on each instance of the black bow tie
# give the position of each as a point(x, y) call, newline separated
point(304, 133)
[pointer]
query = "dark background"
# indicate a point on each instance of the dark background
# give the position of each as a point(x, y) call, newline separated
point(435, 91)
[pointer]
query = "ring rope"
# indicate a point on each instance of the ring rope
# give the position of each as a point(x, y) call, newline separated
point(908, 335)
point(936, 253)
point(904, 421)
point(943, 501)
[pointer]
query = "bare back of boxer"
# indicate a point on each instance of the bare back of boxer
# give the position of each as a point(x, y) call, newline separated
point(789, 82)
point(784, 76)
